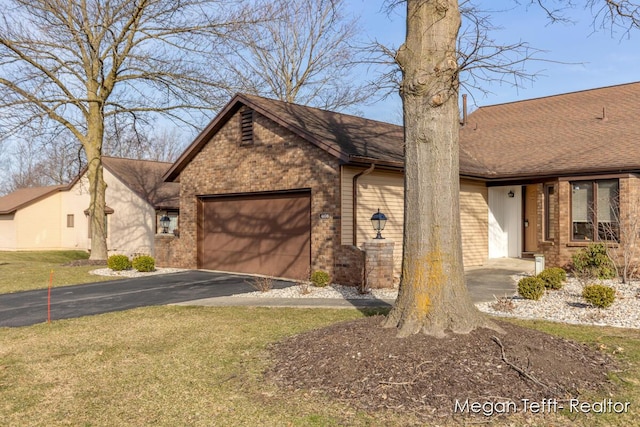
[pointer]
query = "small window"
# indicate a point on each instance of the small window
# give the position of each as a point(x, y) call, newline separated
point(246, 126)
point(173, 222)
point(70, 221)
point(550, 212)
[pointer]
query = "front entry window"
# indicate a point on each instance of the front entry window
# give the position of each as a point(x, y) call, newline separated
point(594, 210)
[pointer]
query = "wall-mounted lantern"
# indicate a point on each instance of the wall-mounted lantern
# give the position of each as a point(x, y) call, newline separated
point(511, 194)
point(378, 220)
point(165, 221)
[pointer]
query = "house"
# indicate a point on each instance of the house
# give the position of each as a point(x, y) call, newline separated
point(56, 217)
point(282, 189)
point(561, 171)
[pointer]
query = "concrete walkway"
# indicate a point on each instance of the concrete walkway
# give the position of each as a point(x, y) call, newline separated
point(485, 283)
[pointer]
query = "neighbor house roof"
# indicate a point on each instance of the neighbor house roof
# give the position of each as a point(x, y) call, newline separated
point(23, 197)
point(586, 132)
point(144, 177)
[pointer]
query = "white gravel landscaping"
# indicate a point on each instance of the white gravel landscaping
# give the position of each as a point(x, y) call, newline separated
point(567, 305)
point(331, 291)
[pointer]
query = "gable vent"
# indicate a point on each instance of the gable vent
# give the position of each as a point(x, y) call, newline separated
point(246, 126)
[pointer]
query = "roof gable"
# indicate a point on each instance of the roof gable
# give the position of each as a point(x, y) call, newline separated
point(346, 137)
point(144, 178)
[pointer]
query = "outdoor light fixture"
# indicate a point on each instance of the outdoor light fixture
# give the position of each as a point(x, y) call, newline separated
point(511, 194)
point(164, 222)
point(378, 220)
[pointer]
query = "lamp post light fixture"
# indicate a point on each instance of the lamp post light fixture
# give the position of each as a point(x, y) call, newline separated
point(165, 221)
point(378, 220)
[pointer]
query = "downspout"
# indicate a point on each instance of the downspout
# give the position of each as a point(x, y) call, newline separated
point(355, 200)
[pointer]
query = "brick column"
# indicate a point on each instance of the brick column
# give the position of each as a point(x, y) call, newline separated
point(378, 263)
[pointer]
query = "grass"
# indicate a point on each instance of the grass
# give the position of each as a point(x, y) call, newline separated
point(23, 271)
point(164, 366)
point(203, 366)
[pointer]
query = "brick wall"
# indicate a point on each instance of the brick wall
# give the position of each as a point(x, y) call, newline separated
point(379, 263)
point(349, 265)
point(277, 160)
point(559, 251)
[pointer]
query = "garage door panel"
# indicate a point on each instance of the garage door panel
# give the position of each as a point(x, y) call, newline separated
point(265, 234)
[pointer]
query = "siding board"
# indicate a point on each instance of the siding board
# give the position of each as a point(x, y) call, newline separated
point(385, 190)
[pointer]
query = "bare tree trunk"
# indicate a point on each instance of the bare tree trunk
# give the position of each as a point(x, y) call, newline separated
point(97, 204)
point(433, 297)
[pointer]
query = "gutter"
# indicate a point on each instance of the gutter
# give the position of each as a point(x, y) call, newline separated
point(354, 192)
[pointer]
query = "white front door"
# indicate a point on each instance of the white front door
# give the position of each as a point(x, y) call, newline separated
point(505, 222)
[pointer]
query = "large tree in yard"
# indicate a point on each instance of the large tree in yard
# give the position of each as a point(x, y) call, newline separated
point(80, 64)
point(433, 298)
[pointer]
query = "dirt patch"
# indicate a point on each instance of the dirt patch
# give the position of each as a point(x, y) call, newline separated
point(368, 366)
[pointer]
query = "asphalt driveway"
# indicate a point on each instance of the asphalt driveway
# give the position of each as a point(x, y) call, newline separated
point(28, 308)
point(208, 288)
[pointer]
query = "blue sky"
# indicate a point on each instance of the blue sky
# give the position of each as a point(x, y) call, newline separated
point(589, 59)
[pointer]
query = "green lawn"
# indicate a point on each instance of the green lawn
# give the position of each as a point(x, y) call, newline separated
point(203, 366)
point(23, 271)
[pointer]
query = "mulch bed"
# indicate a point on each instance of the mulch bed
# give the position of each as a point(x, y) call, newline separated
point(366, 365)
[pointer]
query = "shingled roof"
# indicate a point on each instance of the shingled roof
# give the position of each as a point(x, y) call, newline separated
point(144, 177)
point(23, 197)
point(585, 132)
point(352, 139)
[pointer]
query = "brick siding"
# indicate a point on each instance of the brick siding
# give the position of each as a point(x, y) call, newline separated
point(277, 160)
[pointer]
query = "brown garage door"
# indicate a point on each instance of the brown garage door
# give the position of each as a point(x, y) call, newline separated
point(265, 234)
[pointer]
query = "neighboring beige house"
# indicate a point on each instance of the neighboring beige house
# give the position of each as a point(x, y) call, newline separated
point(282, 189)
point(53, 218)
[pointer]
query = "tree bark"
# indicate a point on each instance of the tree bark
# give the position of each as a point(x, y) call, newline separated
point(97, 185)
point(433, 297)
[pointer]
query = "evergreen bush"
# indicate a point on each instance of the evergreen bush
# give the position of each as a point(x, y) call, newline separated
point(553, 277)
point(144, 263)
point(593, 262)
point(320, 278)
point(118, 262)
point(600, 296)
point(531, 288)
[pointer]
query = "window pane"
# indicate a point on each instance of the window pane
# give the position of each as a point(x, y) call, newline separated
point(607, 210)
point(582, 210)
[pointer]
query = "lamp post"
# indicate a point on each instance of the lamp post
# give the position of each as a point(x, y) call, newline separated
point(378, 220)
point(164, 222)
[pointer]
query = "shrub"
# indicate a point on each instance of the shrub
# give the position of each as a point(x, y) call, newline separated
point(320, 278)
point(504, 304)
point(118, 262)
point(531, 288)
point(553, 277)
point(593, 262)
point(600, 296)
point(261, 283)
point(144, 263)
